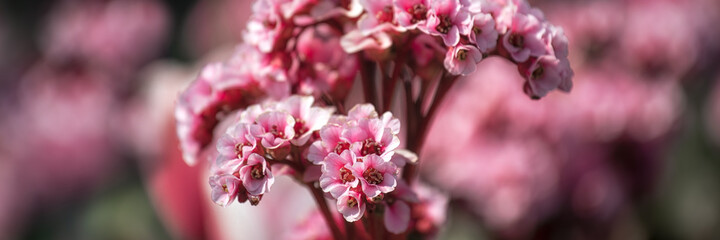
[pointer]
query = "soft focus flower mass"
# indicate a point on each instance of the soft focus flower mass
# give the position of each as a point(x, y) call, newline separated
point(359, 119)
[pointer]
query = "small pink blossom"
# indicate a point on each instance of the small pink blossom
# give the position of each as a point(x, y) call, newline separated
point(237, 143)
point(526, 37)
point(256, 175)
point(462, 60)
point(411, 13)
point(308, 119)
point(376, 175)
point(224, 189)
point(331, 140)
point(483, 32)
point(380, 16)
point(543, 75)
point(448, 20)
point(337, 176)
point(276, 129)
point(351, 205)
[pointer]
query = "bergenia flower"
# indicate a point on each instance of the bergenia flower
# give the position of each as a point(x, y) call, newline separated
point(237, 143)
point(308, 119)
point(448, 20)
point(410, 13)
point(369, 136)
point(351, 205)
point(526, 37)
point(256, 175)
point(337, 176)
point(376, 175)
point(380, 16)
point(483, 32)
point(462, 60)
point(224, 189)
point(276, 129)
point(331, 141)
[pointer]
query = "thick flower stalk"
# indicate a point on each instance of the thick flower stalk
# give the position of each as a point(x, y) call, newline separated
point(280, 100)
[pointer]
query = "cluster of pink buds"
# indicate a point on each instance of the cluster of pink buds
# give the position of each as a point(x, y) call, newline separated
point(275, 98)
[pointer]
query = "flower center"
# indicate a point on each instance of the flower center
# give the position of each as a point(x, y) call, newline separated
point(385, 15)
point(444, 25)
point(300, 127)
point(418, 12)
point(461, 54)
point(341, 146)
point(276, 132)
point(476, 30)
point(516, 40)
point(256, 172)
point(538, 73)
point(352, 202)
point(373, 176)
point(238, 149)
point(346, 176)
point(370, 147)
point(225, 188)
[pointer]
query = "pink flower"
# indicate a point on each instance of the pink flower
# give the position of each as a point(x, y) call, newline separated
point(351, 205)
point(330, 141)
point(327, 69)
point(256, 176)
point(483, 32)
point(369, 136)
point(376, 175)
point(237, 143)
point(544, 74)
point(224, 189)
point(337, 176)
point(462, 60)
point(308, 119)
point(448, 20)
point(397, 208)
point(526, 37)
point(411, 13)
point(380, 16)
point(266, 26)
point(276, 129)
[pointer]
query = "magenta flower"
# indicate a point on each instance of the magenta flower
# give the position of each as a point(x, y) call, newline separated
point(337, 176)
point(224, 189)
point(265, 26)
point(276, 129)
point(237, 143)
point(369, 136)
point(331, 141)
point(351, 205)
point(380, 16)
point(397, 208)
point(411, 13)
point(376, 175)
point(308, 119)
point(543, 75)
point(483, 32)
point(448, 20)
point(462, 60)
point(526, 37)
point(256, 175)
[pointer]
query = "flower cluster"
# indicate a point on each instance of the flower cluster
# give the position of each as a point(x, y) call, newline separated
point(470, 31)
point(263, 135)
point(299, 51)
point(355, 153)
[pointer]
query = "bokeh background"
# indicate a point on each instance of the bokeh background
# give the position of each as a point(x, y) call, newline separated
point(88, 148)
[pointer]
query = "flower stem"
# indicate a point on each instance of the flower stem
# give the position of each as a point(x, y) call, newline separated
point(320, 200)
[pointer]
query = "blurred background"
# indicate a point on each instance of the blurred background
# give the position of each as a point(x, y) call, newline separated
point(88, 147)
